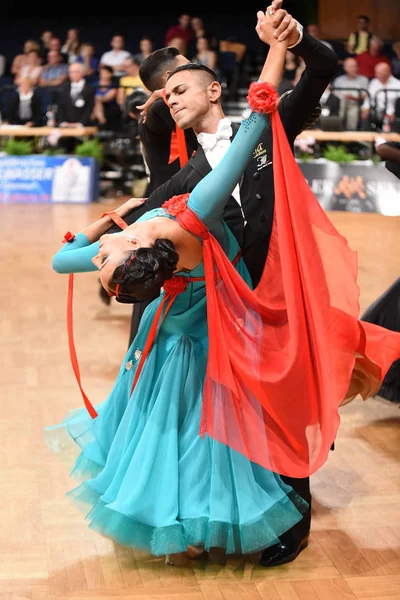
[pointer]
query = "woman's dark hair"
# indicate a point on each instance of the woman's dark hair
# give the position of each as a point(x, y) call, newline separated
point(143, 274)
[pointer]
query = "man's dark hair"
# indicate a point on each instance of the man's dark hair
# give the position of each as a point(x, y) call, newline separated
point(193, 67)
point(365, 17)
point(152, 69)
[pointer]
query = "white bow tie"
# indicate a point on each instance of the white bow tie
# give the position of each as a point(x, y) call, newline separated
point(209, 140)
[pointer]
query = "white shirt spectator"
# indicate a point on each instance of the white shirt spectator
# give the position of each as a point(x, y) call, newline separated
point(114, 58)
point(360, 82)
point(379, 99)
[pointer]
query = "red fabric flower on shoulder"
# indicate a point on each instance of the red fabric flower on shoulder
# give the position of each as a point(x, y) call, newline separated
point(263, 97)
point(175, 285)
point(177, 204)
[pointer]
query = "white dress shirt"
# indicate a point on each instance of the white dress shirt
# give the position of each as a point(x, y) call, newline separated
point(215, 146)
point(379, 99)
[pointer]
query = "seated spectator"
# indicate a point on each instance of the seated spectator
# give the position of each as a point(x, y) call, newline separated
point(71, 46)
point(359, 40)
point(180, 44)
point(130, 81)
point(75, 104)
point(22, 59)
point(383, 105)
point(32, 68)
point(25, 106)
point(350, 99)
point(368, 59)
point(55, 44)
point(76, 99)
point(206, 56)
point(55, 73)
point(314, 31)
point(145, 49)
point(181, 30)
point(44, 45)
point(199, 30)
point(3, 64)
point(292, 62)
point(107, 112)
point(330, 103)
point(115, 57)
point(396, 60)
point(89, 61)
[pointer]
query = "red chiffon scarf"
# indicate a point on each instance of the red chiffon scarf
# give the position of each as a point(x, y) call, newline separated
point(294, 348)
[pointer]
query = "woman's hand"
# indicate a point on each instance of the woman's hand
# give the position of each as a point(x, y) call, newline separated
point(129, 205)
point(276, 26)
point(145, 107)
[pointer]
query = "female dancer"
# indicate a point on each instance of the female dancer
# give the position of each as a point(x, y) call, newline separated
point(151, 480)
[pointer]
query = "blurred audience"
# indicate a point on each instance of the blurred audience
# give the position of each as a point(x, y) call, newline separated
point(396, 59)
point(22, 59)
point(351, 99)
point(25, 106)
point(76, 99)
point(368, 59)
point(55, 73)
point(115, 57)
point(56, 45)
point(44, 44)
point(145, 49)
point(180, 44)
point(32, 68)
point(71, 46)
point(204, 55)
point(359, 40)
point(314, 31)
point(181, 30)
point(107, 112)
point(89, 60)
point(129, 82)
point(380, 107)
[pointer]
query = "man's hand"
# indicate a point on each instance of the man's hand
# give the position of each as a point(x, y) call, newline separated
point(276, 25)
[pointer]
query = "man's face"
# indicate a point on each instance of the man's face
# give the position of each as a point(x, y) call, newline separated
point(55, 44)
point(75, 72)
point(350, 67)
point(363, 24)
point(382, 72)
point(188, 94)
point(117, 42)
point(53, 57)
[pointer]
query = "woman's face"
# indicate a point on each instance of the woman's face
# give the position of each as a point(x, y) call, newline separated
point(114, 249)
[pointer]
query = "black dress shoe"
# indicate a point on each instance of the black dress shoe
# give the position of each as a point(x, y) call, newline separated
point(281, 553)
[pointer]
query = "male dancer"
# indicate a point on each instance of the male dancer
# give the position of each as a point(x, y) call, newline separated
point(250, 210)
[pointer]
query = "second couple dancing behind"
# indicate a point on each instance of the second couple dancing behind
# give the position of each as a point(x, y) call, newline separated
point(215, 356)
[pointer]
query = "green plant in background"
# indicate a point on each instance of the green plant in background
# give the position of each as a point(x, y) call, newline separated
point(92, 148)
point(19, 147)
point(338, 154)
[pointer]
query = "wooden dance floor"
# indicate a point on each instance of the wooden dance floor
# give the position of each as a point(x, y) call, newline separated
point(46, 548)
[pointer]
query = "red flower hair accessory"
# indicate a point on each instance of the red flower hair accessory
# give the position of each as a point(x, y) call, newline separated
point(263, 97)
point(177, 204)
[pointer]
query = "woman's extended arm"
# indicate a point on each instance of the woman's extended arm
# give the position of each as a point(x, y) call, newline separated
point(76, 256)
point(209, 197)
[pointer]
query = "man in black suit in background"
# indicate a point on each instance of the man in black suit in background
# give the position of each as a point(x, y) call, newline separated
point(157, 129)
point(249, 212)
point(75, 103)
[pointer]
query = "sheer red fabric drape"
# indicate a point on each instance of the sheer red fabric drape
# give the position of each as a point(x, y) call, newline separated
point(294, 348)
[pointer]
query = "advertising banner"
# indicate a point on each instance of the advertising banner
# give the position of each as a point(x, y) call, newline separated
point(359, 186)
point(43, 179)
